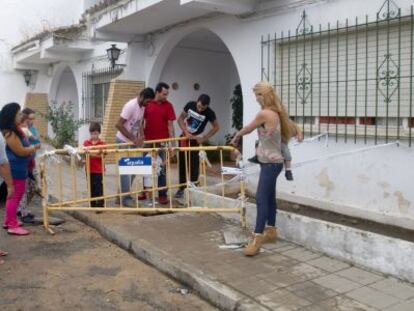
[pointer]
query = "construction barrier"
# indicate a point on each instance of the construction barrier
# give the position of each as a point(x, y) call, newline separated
point(59, 170)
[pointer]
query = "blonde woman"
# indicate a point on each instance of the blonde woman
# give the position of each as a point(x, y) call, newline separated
point(272, 124)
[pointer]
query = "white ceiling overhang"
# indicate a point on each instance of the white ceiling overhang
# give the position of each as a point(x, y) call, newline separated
point(48, 51)
point(131, 18)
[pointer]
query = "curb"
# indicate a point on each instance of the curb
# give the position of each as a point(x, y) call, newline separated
point(369, 250)
point(216, 293)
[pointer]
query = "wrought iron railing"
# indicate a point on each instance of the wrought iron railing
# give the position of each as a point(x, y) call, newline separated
point(95, 87)
point(354, 80)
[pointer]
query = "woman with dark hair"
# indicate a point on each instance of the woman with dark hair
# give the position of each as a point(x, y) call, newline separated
point(18, 150)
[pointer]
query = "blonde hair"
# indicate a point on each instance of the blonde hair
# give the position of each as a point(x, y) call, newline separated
point(272, 102)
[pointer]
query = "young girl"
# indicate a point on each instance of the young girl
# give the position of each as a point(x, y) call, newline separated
point(18, 151)
point(23, 211)
point(272, 124)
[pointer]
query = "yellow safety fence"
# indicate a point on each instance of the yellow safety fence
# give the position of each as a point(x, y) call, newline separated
point(69, 182)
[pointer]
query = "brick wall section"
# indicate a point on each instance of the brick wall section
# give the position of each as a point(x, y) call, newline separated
point(39, 103)
point(120, 91)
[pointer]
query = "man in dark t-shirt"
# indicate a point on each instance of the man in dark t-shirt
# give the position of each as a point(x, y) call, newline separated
point(193, 121)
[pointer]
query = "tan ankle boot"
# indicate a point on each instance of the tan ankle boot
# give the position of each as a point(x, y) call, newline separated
point(255, 242)
point(270, 235)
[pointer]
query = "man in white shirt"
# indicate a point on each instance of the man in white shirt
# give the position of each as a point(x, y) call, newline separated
point(130, 129)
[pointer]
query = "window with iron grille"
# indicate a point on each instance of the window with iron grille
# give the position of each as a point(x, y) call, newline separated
point(352, 80)
point(95, 92)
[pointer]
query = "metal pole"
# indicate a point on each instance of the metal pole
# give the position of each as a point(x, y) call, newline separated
point(337, 80)
point(366, 79)
point(376, 80)
point(410, 120)
point(356, 81)
point(346, 80)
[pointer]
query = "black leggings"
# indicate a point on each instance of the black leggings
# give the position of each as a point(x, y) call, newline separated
point(3, 194)
point(96, 189)
point(193, 161)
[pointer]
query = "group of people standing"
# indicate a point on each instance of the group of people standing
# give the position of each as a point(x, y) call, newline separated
point(151, 116)
point(19, 141)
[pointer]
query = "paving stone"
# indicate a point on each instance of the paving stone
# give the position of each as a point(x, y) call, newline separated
point(253, 286)
point(278, 260)
point(230, 274)
point(307, 272)
point(212, 268)
point(248, 268)
point(282, 300)
point(311, 291)
point(284, 248)
point(337, 283)
point(282, 278)
point(284, 282)
point(405, 306)
point(360, 276)
point(301, 254)
point(339, 303)
point(288, 275)
point(258, 259)
point(373, 297)
point(328, 264)
point(278, 245)
point(395, 288)
point(271, 247)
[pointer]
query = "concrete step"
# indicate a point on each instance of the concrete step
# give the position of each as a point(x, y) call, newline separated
point(390, 255)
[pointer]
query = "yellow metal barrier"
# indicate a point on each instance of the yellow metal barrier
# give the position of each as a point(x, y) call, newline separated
point(69, 182)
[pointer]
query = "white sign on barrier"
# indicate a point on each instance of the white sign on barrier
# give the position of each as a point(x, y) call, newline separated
point(135, 166)
point(231, 171)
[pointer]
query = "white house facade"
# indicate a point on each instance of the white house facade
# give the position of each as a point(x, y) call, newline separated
point(342, 67)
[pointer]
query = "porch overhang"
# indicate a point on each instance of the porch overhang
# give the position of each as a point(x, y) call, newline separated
point(232, 7)
point(127, 19)
point(48, 50)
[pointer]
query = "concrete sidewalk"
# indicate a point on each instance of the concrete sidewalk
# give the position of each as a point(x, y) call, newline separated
point(284, 277)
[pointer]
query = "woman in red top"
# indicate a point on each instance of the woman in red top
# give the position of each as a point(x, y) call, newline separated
point(96, 168)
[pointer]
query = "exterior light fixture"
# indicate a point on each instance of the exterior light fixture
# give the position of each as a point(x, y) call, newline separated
point(113, 54)
point(27, 77)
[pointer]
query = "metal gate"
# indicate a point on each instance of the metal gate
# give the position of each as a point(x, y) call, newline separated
point(71, 187)
point(95, 87)
point(352, 79)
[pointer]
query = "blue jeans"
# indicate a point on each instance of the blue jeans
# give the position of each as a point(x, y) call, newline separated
point(126, 180)
point(266, 195)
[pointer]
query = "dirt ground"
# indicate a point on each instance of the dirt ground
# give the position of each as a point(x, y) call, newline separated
point(78, 270)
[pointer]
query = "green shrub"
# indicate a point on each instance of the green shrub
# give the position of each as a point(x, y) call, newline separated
point(63, 123)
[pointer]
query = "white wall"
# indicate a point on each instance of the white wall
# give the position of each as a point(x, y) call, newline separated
point(216, 74)
point(52, 83)
point(20, 20)
point(369, 185)
point(361, 180)
point(67, 92)
point(242, 37)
